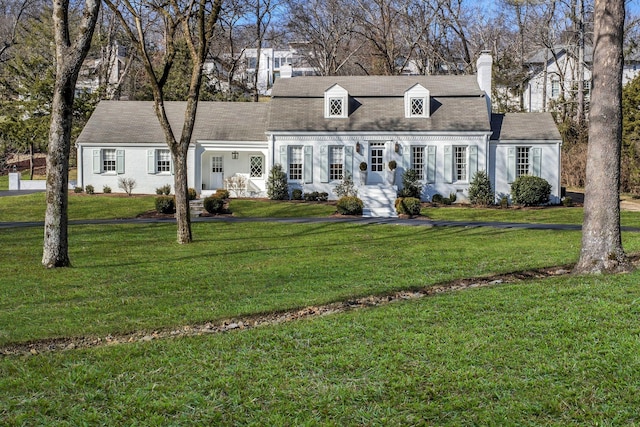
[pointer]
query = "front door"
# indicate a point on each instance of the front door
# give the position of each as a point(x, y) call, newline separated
point(377, 154)
point(217, 173)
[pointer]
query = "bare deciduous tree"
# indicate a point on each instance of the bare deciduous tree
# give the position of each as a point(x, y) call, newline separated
point(191, 22)
point(601, 240)
point(70, 55)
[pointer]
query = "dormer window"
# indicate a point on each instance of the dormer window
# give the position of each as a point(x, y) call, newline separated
point(335, 107)
point(417, 107)
point(416, 102)
point(336, 102)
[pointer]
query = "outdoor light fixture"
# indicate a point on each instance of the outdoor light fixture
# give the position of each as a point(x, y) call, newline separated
point(358, 147)
point(234, 155)
point(397, 148)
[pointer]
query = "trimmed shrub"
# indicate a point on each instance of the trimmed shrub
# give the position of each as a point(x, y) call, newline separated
point(480, 191)
point(213, 204)
point(323, 196)
point(437, 198)
point(89, 189)
point(504, 202)
point(453, 197)
point(530, 190)
point(408, 206)
point(165, 204)
point(222, 193)
point(78, 190)
point(165, 189)
point(567, 201)
point(296, 194)
point(192, 194)
point(277, 187)
point(106, 189)
point(350, 205)
point(411, 186)
point(311, 197)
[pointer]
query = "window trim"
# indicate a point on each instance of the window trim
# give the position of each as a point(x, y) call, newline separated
point(256, 156)
point(290, 159)
point(332, 175)
point(455, 166)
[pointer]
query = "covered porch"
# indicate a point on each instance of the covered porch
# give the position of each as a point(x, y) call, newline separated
point(240, 167)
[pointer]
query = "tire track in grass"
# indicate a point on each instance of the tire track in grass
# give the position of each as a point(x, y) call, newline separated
point(34, 348)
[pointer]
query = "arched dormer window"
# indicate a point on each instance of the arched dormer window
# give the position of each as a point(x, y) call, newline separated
point(416, 102)
point(336, 103)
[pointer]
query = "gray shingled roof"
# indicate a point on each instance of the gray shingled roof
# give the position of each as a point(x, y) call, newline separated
point(136, 122)
point(524, 126)
point(376, 86)
point(377, 104)
point(379, 114)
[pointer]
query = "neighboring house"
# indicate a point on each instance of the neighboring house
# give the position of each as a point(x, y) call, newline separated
point(273, 64)
point(553, 75)
point(321, 128)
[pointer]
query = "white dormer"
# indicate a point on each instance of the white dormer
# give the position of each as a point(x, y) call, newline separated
point(416, 102)
point(336, 102)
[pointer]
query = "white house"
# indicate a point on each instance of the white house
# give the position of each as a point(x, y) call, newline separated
point(321, 129)
point(554, 75)
point(273, 64)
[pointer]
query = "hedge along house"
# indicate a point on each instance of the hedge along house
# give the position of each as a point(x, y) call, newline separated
point(321, 129)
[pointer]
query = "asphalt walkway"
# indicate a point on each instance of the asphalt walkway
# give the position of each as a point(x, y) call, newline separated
point(355, 220)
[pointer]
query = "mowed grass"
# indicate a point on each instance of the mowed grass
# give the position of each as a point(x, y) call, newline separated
point(555, 352)
point(135, 277)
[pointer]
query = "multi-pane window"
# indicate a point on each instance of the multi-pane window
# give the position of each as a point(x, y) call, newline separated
point(109, 160)
point(216, 164)
point(295, 163)
point(336, 163)
point(417, 161)
point(460, 163)
point(417, 106)
point(522, 161)
point(252, 62)
point(256, 165)
point(377, 157)
point(163, 161)
point(555, 88)
point(335, 106)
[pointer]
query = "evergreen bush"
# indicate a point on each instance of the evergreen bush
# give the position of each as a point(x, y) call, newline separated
point(480, 191)
point(346, 187)
point(277, 187)
point(222, 193)
point(165, 204)
point(411, 186)
point(296, 194)
point(165, 189)
point(106, 189)
point(192, 194)
point(350, 205)
point(408, 206)
point(89, 189)
point(213, 204)
point(530, 190)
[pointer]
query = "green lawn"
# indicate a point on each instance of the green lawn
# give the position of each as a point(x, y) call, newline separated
point(560, 351)
point(555, 352)
point(130, 277)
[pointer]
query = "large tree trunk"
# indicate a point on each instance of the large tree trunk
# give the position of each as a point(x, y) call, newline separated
point(55, 250)
point(601, 241)
point(183, 217)
point(69, 58)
